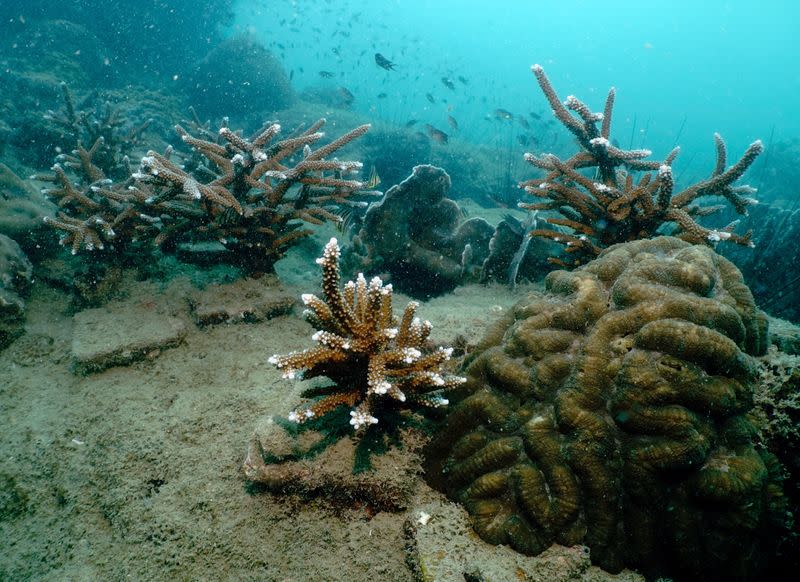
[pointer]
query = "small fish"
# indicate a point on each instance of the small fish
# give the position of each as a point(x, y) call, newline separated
point(374, 179)
point(335, 51)
point(503, 114)
point(452, 122)
point(327, 74)
point(382, 95)
point(411, 122)
point(430, 97)
point(448, 83)
point(463, 80)
point(291, 74)
point(535, 115)
point(436, 135)
point(523, 139)
point(523, 122)
point(345, 95)
point(383, 62)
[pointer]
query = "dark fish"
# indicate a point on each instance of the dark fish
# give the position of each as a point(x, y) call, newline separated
point(503, 114)
point(448, 83)
point(326, 74)
point(436, 135)
point(452, 121)
point(411, 122)
point(382, 95)
point(463, 80)
point(345, 95)
point(335, 51)
point(383, 62)
point(523, 122)
point(522, 139)
point(291, 74)
point(430, 98)
point(535, 115)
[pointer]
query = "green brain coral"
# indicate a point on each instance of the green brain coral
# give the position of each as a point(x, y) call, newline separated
point(611, 411)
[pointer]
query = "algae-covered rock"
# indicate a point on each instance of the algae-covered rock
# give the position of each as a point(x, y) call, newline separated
point(16, 273)
point(611, 412)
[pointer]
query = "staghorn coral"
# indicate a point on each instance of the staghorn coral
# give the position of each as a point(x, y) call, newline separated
point(611, 412)
point(371, 362)
point(244, 193)
point(610, 207)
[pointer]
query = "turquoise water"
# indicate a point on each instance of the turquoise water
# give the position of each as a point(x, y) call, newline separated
point(682, 70)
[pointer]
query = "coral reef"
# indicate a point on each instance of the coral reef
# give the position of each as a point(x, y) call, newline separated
point(16, 273)
point(609, 207)
point(237, 77)
point(372, 363)
point(419, 236)
point(612, 412)
point(240, 192)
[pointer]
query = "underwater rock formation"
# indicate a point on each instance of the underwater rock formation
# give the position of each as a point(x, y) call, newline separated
point(612, 411)
point(610, 207)
point(16, 272)
point(777, 237)
point(237, 77)
point(417, 234)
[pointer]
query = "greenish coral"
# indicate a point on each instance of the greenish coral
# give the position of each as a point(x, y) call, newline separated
point(611, 411)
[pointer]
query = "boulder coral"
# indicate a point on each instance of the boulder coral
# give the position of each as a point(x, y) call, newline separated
point(612, 412)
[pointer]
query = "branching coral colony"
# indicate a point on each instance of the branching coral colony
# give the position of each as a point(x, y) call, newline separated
point(252, 195)
point(611, 207)
point(372, 361)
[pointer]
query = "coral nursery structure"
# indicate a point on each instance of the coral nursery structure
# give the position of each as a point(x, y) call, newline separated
point(613, 412)
point(250, 195)
point(372, 361)
point(609, 205)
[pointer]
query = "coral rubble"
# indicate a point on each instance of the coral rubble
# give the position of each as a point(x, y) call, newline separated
point(372, 361)
point(613, 412)
point(611, 206)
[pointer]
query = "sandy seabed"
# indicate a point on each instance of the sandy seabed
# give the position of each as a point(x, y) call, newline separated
point(135, 472)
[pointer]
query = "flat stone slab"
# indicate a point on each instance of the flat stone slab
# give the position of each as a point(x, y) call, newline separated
point(247, 300)
point(442, 547)
point(284, 460)
point(116, 335)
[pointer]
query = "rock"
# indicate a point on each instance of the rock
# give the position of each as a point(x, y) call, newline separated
point(441, 547)
point(247, 300)
point(122, 333)
point(16, 273)
point(285, 458)
point(784, 335)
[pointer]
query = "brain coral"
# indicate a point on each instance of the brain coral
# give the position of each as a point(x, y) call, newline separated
point(611, 411)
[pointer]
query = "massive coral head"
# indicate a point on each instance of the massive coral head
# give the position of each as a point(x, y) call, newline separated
point(608, 204)
point(372, 361)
